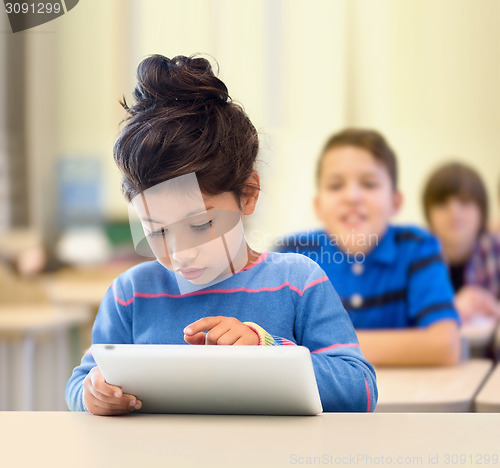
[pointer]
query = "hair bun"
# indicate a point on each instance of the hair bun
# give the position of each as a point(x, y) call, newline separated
point(179, 81)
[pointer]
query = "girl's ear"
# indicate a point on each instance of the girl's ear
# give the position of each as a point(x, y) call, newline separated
point(249, 201)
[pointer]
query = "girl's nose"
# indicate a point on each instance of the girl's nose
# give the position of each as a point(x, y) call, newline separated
point(185, 255)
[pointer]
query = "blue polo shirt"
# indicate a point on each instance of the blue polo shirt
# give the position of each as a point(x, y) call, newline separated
point(403, 282)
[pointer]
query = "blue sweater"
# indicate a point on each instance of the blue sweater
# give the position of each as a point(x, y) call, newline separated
point(286, 294)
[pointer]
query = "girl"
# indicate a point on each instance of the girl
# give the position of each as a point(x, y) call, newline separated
point(456, 207)
point(187, 156)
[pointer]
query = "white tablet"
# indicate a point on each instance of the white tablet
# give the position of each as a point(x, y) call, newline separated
point(269, 380)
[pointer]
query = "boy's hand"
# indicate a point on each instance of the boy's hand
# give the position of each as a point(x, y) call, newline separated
point(104, 399)
point(220, 331)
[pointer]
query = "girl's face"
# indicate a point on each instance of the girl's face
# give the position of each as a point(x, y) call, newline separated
point(355, 198)
point(199, 237)
point(456, 222)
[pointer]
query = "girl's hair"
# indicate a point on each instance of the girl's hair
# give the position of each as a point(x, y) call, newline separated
point(370, 140)
point(184, 121)
point(456, 180)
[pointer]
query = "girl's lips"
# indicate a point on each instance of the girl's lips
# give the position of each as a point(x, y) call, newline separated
point(191, 273)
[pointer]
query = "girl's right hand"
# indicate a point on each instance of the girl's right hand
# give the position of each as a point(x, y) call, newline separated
point(104, 399)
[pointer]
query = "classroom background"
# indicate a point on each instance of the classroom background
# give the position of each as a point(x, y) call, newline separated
point(426, 74)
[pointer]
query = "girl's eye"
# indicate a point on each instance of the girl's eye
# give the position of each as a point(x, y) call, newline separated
point(202, 227)
point(334, 186)
point(160, 232)
point(370, 184)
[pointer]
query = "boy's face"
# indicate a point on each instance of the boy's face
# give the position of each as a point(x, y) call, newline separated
point(456, 222)
point(355, 198)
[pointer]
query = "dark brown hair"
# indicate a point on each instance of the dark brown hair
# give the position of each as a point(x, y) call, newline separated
point(456, 180)
point(184, 121)
point(369, 140)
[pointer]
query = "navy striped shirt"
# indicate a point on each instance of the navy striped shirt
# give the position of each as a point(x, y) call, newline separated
point(403, 282)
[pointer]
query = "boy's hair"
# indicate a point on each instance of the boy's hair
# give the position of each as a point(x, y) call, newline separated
point(371, 141)
point(184, 121)
point(456, 180)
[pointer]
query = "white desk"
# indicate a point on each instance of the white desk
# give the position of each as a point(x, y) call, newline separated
point(431, 389)
point(26, 325)
point(75, 440)
point(488, 399)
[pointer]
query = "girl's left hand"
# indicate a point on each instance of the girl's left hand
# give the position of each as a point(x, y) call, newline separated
point(220, 331)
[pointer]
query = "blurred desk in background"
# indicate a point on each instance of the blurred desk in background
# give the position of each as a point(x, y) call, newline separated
point(496, 344)
point(431, 389)
point(480, 334)
point(16, 241)
point(81, 287)
point(488, 399)
point(36, 355)
point(84, 286)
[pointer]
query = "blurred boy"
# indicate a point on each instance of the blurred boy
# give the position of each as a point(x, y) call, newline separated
point(392, 280)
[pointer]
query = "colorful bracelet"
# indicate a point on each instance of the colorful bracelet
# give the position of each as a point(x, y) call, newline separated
point(265, 339)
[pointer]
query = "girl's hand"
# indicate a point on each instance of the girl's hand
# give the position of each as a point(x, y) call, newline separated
point(104, 399)
point(220, 331)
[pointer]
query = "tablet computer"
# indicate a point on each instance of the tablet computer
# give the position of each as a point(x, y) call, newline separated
point(268, 380)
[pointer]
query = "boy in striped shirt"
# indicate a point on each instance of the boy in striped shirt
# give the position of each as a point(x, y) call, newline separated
point(391, 279)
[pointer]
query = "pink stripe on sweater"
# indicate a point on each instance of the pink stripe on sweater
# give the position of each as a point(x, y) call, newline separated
point(338, 345)
point(317, 281)
point(124, 303)
point(221, 291)
point(368, 395)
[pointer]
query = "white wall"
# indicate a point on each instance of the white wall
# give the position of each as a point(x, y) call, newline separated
point(93, 57)
point(42, 129)
point(425, 73)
